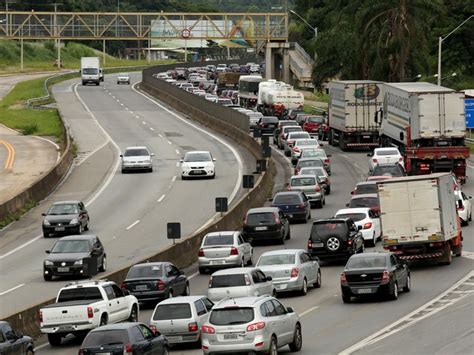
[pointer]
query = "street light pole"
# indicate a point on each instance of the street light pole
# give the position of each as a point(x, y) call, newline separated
point(315, 29)
point(440, 42)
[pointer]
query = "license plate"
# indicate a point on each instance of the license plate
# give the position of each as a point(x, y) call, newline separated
point(174, 338)
point(214, 262)
point(281, 287)
point(141, 287)
point(65, 328)
point(318, 245)
point(60, 229)
point(364, 290)
point(197, 172)
point(63, 269)
point(290, 215)
point(365, 136)
point(261, 228)
point(230, 336)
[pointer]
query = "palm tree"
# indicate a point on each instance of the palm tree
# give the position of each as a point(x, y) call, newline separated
point(393, 29)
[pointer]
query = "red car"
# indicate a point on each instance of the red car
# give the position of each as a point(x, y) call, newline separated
point(312, 124)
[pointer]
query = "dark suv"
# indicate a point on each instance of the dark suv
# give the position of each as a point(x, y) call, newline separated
point(266, 223)
point(335, 238)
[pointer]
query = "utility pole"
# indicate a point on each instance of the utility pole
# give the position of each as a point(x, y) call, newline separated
point(56, 34)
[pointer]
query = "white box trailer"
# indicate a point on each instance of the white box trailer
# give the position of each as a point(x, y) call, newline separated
point(419, 217)
point(353, 105)
point(91, 72)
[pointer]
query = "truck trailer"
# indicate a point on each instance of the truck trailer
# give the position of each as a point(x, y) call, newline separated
point(91, 72)
point(352, 106)
point(419, 217)
point(427, 124)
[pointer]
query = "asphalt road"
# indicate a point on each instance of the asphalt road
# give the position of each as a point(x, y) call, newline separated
point(329, 326)
point(131, 213)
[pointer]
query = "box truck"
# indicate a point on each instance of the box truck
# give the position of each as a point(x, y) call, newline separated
point(91, 72)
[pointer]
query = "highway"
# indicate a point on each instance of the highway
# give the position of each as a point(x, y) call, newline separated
point(331, 327)
point(129, 212)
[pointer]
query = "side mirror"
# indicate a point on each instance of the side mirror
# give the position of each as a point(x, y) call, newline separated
point(95, 251)
point(359, 228)
point(369, 154)
point(43, 214)
point(214, 159)
point(347, 205)
point(290, 309)
point(152, 154)
point(269, 278)
point(19, 335)
point(121, 155)
point(321, 145)
point(180, 160)
point(47, 251)
point(329, 155)
point(460, 204)
point(126, 292)
point(154, 330)
point(469, 197)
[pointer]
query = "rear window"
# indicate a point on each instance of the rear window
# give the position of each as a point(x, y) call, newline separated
point(288, 129)
point(364, 202)
point(368, 262)
point(281, 259)
point(307, 181)
point(299, 135)
point(105, 337)
point(308, 153)
point(172, 311)
point(315, 162)
point(80, 294)
point(366, 189)
point(145, 271)
point(325, 229)
point(306, 142)
point(387, 152)
point(218, 240)
point(394, 170)
point(356, 217)
point(315, 119)
point(269, 119)
point(228, 281)
point(256, 218)
point(231, 316)
point(287, 200)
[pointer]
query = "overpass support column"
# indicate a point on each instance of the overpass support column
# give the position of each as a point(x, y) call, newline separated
point(286, 65)
point(281, 49)
point(269, 62)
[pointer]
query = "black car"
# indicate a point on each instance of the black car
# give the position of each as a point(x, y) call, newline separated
point(365, 187)
point(75, 255)
point(124, 338)
point(266, 223)
point(395, 170)
point(65, 217)
point(153, 282)
point(267, 124)
point(294, 204)
point(374, 274)
point(12, 342)
point(335, 238)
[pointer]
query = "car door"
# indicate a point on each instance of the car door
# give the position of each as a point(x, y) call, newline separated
point(272, 323)
point(176, 280)
point(265, 287)
point(9, 342)
point(400, 271)
point(121, 302)
point(285, 323)
point(113, 306)
point(97, 245)
point(308, 266)
point(201, 312)
point(140, 345)
point(243, 247)
point(284, 222)
point(83, 216)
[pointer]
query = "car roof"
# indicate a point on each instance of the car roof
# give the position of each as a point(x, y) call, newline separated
point(198, 151)
point(156, 263)
point(309, 159)
point(288, 193)
point(283, 251)
point(136, 147)
point(385, 148)
point(263, 210)
point(302, 176)
point(364, 196)
point(371, 254)
point(79, 237)
point(65, 202)
point(327, 220)
point(235, 271)
point(181, 299)
point(240, 302)
point(116, 326)
point(353, 210)
point(213, 234)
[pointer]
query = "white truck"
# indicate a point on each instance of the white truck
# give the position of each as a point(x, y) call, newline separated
point(419, 217)
point(82, 306)
point(91, 72)
point(278, 98)
point(352, 107)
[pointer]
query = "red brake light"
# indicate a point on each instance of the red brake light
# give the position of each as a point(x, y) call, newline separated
point(207, 329)
point(368, 225)
point(193, 327)
point(326, 161)
point(385, 277)
point(201, 252)
point(343, 278)
point(296, 149)
point(234, 251)
point(294, 272)
point(81, 352)
point(123, 286)
point(160, 285)
point(461, 208)
point(310, 244)
point(255, 326)
point(277, 219)
point(40, 316)
point(301, 206)
point(128, 348)
point(374, 160)
point(318, 188)
point(400, 159)
point(289, 188)
point(90, 312)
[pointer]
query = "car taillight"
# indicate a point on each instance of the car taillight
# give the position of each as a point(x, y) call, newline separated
point(247, 280)
point(296, 149)
point(128, 349)
point(207, 329)
point(201, 252)
point(297, 171)
point(318, 188)
point(301, 206)
point(277, 219)
point(193, 327)
point(310, 244)
point(81, 352)
point(461, 208)
point(290, 143)
point(40, 316)
point(255, 326)
point(374, 160)
point(294, 272)
point(123, 286)
point(343, 278)
point(90, 312)
point(160, 285)
point(326, 161)
point(368, 225)
point(234, 251)
point(289, 188)
point(400, 159)
point(385, 277)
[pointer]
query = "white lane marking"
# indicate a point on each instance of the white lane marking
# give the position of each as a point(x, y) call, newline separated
point(136, 116)
point(214, 136)
point(177, 152)
point(174, 178)
point(309, 310)
point(121, 104)
point(113, 97)
point(130, 111)
point(177, 164)
point(143, 122)
point(126, 109)
point(409, 319)
point(12, 289)
point(152, 129)
point(133, 224)
point(50, 141)
point(169, 143)
point(162, 198)
point(20, 247)
point(160, 135)
point(193, 275)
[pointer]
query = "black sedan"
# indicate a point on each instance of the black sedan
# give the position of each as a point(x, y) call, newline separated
point(124, 338)
point(374, 274)
point(154, 282)
point(75, 255)
point(267, 124)
point(65, 217)
point(266, 223)
point(12, 342)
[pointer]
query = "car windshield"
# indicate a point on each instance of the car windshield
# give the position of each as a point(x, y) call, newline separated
point(218, 240)
point(366, 189)
point(172, 311)
point(286, 200)
point(325, 229)
point(63, 209)
point(314, 162)
point(71, 246)
point(79, 294)
point(228, 280)
point(231, 316)
point(306, 181)
point(315, 119)
point(280, 259)
point(105, 337)
point(123, 75)
point(356, 217)
point(394, 170)
point(367, 262)
point(364, 202)
point(311, 153)
point(197, 157)
point(386, 152)
point(141, 271)
point(90, 71)
point(136, 152)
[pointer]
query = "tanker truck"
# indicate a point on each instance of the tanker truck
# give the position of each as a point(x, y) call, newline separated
point(277, 98)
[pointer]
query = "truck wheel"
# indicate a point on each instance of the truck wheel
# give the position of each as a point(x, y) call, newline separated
point(54, 339)
point(446, 258)
point(457, 250)
point(342, 145)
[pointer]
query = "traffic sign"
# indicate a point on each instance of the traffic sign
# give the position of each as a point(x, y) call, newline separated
point(469, 105)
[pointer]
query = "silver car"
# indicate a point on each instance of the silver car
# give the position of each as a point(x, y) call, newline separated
point(224, 249)
point(123, 79)
point(251, 325)
point(180, 319)
point(254, 117)
point(301, 144)
point(321, 174)
point(318, 153)
point(291, 270)
point(239, 282)
point(308, 184)
point(290, 140)
point(137, 158)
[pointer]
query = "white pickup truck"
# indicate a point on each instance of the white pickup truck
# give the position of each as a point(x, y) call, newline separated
point(83, 306)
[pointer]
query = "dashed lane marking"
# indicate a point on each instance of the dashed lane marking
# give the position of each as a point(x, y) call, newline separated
point(133, 224)
point(162, 197)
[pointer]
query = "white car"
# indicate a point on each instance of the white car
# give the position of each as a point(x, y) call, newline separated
point(365, 218)
point(382, 156)
point(290, 140)
point(239, 282)
point(211, 97)
point(137, 158)
point(198, 164)
point(123, 79)
point(162, 76)
point(224, 249)
point(464, 206)
point(301, 144)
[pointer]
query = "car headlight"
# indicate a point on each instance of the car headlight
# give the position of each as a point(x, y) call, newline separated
point(148, 161)
point(46, 222)
point(48, 263)
point(73, 221)
point(78, 262)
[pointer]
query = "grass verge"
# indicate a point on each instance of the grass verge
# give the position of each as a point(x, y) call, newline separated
point(16, 216)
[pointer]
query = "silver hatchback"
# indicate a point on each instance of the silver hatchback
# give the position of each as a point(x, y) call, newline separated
point(251, 325)
point(308, 184)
